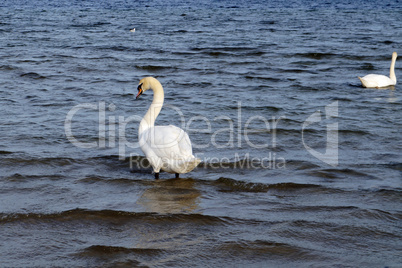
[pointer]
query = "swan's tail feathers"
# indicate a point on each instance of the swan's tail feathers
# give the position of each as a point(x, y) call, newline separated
point(363, 82)
point(367, 83)
point(186, 166)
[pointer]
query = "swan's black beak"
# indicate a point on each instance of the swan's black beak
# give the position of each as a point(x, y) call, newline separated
point(139, 91)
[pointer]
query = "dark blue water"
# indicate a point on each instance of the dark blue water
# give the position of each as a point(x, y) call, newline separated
point(301, 165)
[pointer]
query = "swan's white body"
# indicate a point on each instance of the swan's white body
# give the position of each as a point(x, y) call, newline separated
point(167, 148)
point(377, 80)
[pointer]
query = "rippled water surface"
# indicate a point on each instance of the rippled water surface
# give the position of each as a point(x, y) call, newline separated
point(301, 165)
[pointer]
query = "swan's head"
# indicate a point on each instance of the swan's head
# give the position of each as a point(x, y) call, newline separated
point(145, 84)
point(394, 55)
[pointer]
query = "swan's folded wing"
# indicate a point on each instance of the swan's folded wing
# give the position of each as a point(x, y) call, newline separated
point(168, 142)
point(185, 145)
point(376, 80)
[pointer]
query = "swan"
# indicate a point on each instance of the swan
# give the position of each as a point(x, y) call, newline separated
point(377, 80)
point(167, 148)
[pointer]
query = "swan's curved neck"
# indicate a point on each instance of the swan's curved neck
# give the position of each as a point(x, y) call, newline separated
point(392, 69)
point(149, 118)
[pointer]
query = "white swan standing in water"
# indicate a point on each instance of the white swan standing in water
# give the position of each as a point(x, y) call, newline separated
point(377, 80)
point(167, 148)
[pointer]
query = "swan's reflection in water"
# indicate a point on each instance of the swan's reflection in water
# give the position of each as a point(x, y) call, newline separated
point(170, 196)
point(392, 98)
point(172, 227)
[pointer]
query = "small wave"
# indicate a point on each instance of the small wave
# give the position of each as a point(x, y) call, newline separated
point(119, 48)
point(259, 108)
point(154, 67)
point(388, 195)
point(184, 53)
point(112, 216)
point(267, 22)
point(118, 256)
point(102, 250)
point(317, 209)
point(396, 166)
point(261, 248)
point(90, 25)
point(33, 75)
point(395, 191)
point(39, 161)
point(340, 173)
point(114, 48)
point(359, 132)
point(97, 179)
point(304, 63)
point(19, 177)
point(226, 48)
point(291, 186)
point(268, 79)
point(229, 51)
point(7, 68)
point(301, 165)
point(231, 185)
point(366, 67)
point(297, 71)
point(342, 99)
point(377, 214)
point(108, 160)
point(309, 88)
point(315, 56)
point(5, 152)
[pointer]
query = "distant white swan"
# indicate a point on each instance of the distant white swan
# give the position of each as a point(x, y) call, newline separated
point(377, 80)
point(167, 148)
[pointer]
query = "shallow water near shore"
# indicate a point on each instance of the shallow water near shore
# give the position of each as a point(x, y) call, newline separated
point(301, 165)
